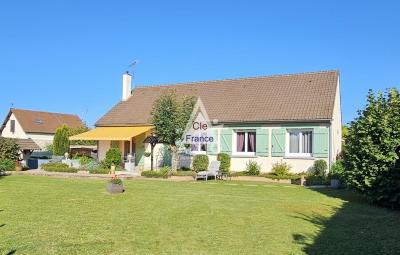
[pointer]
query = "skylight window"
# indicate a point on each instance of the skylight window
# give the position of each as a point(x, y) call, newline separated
point(38, 121)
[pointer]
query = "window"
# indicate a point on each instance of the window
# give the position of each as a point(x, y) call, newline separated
point(300, 143)
point(12, 126)
point(198, 148)
point(245, 142)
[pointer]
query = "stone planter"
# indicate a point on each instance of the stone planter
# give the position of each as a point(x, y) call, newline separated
point(115, 188)
point(335, 183)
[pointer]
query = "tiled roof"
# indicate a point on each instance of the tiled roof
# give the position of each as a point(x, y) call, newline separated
point(43, 122)
point(293, 97)
point(27, 144)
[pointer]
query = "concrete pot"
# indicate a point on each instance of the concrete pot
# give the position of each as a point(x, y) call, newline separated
point(115, 188)
point(335, 183)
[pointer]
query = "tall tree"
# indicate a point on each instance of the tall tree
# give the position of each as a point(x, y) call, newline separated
point(170, 116)
point(61, 141)
point(371, 143)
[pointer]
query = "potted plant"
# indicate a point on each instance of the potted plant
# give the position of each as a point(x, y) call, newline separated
point(147, 154)
point(18, 166)
point(115, 185)
point(335, 174)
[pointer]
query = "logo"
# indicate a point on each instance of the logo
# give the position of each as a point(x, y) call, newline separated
point(199, 129)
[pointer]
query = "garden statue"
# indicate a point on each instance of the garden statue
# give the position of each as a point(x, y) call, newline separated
point(66, 155)
point(130, 158)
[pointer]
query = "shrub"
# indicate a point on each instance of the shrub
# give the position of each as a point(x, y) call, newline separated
point(99, 170)
point(200, 163)
point(115, 180)
point(314, 179)
point(61, 141)
point(337, 170)
point(282, 177)
point(281, 168)
point(252, 168)
point(370, 149)
point(9, 149)
point(162, 173)
point(319, 167)
point(113, 156)
point(91, 165)
point(225, 160)
point(84, 160)
point(7, 165)
point(53, 166)
point(58, 167)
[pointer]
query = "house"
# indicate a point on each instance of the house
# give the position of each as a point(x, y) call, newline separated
point(295, 118)
point(34, 130)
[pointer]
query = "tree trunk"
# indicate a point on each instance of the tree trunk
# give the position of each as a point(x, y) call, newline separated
point(174, 158)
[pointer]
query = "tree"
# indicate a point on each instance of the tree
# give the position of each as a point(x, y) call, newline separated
point(9, 149)
point(170, 116)
point(372, 139)
point(61, 141)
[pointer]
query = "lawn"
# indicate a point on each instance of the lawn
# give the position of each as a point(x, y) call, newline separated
point(43, 215)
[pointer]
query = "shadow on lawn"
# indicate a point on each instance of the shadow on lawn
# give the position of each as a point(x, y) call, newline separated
point(355, 228)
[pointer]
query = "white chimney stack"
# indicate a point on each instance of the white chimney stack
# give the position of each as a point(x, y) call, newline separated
point(126, 86)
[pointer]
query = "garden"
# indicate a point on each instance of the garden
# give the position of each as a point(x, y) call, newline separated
point(45, 215)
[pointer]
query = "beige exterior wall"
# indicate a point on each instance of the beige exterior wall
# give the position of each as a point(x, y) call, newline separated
point(336, 126)
point(40, 139)
point(19, 132)
point(104, 146)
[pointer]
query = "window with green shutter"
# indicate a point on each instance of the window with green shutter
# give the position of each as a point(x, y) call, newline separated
point(226, 141)
point(262, 145)
point(278, 142)
point(321, 142)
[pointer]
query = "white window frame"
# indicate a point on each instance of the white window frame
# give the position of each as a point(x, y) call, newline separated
point(198, 151)
point(300, 132)
point(246, 137)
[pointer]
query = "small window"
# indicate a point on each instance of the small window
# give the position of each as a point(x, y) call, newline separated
point(198, 148)
point(300, 142)
point(245, 142)
point(12, 126)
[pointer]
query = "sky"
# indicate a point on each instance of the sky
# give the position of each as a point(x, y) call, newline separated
point(69, 56)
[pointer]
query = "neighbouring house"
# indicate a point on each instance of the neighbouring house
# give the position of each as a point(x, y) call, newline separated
point(295, 118)
point(34, 130)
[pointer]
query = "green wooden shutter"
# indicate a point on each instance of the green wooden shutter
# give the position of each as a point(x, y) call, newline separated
point(226, 141)
point(262, 142)
point(278, 142)
point(212, 148)
point(321, 143)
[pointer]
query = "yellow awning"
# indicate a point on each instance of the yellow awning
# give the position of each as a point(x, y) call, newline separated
point(111, 133)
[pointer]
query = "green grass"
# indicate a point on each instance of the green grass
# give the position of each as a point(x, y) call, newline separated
point(43, 215)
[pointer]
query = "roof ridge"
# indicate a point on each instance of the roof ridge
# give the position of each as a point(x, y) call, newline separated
point(232, 79)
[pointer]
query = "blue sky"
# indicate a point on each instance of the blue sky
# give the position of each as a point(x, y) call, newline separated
point(69, 56)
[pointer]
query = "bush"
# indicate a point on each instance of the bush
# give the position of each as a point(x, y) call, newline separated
point(53, 166)
point(252, 168)
point(113, 156)
point(281, 168)
point(58, 167)
point(162, 173)
point(314, 179)
point(84, 160)
point(370, 149)
point(337, 170)
point(115, 180)
point(91, 166)
point(225, 160)
point(7, 165)
point(319, 167)
point(200, 163)
point(99, 170)
point(281, 177)
point(9, 149)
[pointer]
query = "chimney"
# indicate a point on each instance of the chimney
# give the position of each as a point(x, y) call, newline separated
point(126, 86)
